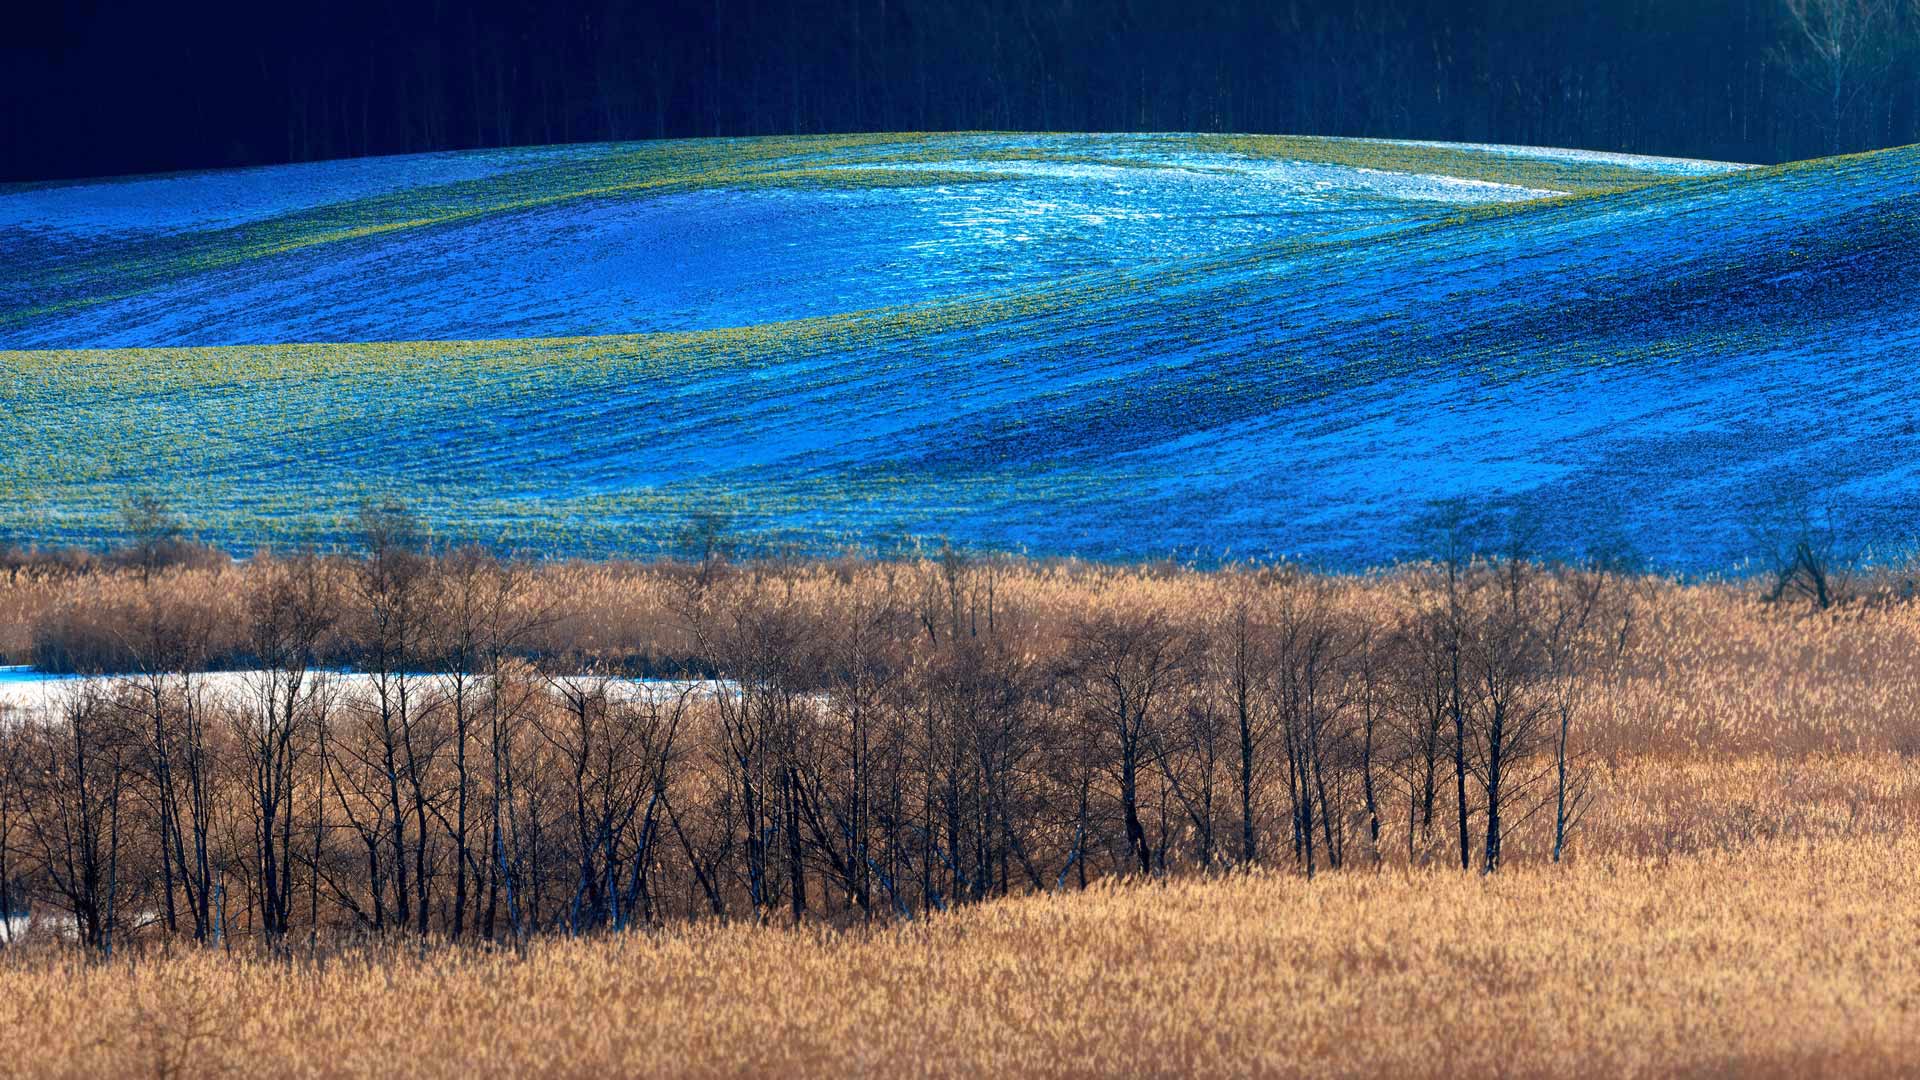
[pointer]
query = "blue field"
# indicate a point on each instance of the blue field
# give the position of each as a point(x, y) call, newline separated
point(1107, 346)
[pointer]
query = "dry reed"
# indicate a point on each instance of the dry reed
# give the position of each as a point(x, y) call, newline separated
point(1774, 959)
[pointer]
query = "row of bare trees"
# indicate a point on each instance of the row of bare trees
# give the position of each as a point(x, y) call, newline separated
point(883, 741)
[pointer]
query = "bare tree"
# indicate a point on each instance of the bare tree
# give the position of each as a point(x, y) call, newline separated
point(1842, 49)
point(616, 746)
point(168, 639)
point(859, 664)
point(475, 618)
point(1189, 750)
point(81, 773)
point(1371, 696)
point(752, 632)
point(708, 539)
point(1575, 608)
point(1127, 664)
point(1447, 615)
point(287, 619)
point(13, 777)
point(1591, 627)
point(1506, 664)
point(152, 530)
point(1241, 658)
point(1419, 694)
point(392, 614)
point(1311, 651)
point(1803, 542)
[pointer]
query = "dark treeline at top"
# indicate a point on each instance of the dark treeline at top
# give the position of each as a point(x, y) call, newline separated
point(90, 89)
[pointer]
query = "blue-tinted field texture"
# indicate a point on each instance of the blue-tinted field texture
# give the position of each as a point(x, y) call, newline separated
point(1109, 346)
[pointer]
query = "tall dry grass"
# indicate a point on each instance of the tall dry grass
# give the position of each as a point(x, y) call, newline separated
point(1710, 669)
point(1785, 958)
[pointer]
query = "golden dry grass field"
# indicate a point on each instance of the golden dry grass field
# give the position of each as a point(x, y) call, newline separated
point(1787, 958)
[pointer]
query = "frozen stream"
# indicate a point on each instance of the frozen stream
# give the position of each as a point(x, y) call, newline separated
point(23, 689)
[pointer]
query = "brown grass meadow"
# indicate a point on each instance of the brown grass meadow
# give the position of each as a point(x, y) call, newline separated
point(1740, 897)
point(1773, 959)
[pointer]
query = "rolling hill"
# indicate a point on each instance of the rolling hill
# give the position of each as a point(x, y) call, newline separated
point(1111, 346)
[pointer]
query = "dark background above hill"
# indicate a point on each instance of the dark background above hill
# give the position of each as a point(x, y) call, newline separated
point(97, 88)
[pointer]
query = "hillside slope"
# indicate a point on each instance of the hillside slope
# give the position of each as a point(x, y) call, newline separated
point(1115, 346)
point(569, 241)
